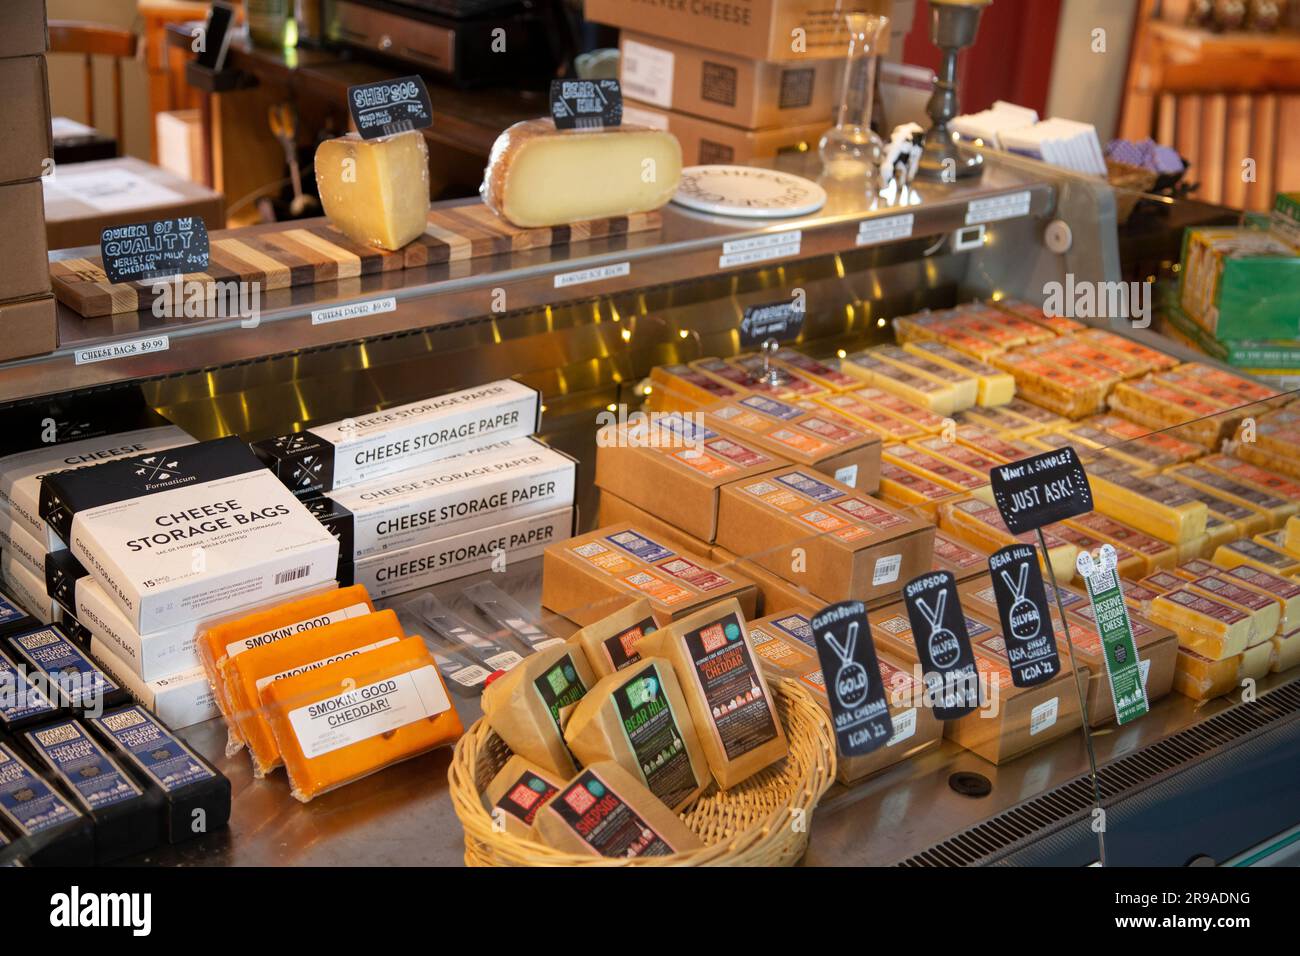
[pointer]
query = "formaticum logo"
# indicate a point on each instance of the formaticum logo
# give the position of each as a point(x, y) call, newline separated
point(161, 470)
point(76, 909)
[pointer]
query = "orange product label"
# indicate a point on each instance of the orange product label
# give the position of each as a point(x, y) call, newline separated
point(743, 419)
point(823, 520)
point(599, 556)
point(805, 444)
point(656, 588)
point(704, 463)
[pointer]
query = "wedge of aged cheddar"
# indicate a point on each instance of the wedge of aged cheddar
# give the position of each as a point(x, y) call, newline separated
point(537, 175)
point(375, 191)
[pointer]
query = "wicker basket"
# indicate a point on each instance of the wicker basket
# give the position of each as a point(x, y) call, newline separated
point(762, 822)
point(1130, 182)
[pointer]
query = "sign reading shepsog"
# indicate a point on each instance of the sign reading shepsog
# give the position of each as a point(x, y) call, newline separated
point(369, 447)
point(187, 533)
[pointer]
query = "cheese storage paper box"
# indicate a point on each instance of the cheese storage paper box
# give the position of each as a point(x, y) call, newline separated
point(20, 475)
point(369, 447)
point(188, 533)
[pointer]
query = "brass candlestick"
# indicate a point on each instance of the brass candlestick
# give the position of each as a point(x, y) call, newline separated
point(953, 25)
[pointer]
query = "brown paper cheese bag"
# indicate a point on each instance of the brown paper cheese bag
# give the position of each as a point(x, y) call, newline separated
point(529, 705)
point(517, 792)
point(610, 643)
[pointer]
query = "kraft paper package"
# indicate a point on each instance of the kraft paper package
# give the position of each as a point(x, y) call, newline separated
point(517, 792)
point(610, 644)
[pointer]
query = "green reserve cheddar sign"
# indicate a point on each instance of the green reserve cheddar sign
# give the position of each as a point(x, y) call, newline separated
point(1111, 613)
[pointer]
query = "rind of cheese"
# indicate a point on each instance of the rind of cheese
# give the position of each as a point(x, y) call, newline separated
point(529, 705)
point(643, 699)
point(1203, 624)
point(250, 673)
point(349, 686)
point(1201, 678)
point(540, 176)
point(938, 397)
point(375, 191)
point(517, 792)
point(995, 386)
point(275, 622)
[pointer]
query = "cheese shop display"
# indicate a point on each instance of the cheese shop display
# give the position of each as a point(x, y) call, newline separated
point(375, 191)
point(538, 175)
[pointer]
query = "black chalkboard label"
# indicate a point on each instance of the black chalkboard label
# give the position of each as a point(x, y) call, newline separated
point(586, 104)
point(152, 250)
point(1025, 615)
point(776, 320)
point(942, 644)
point(393, 106)
point(1036, 491)
point(853, 683)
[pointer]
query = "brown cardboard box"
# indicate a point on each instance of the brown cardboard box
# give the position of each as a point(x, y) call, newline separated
point(1157, 646)
point(593, 575)
point(840, 544)
point(22, 28)
point(720, 86)
point(759, 29)
point(611, 509)
point(86, 198)
point(25, 139)
point(705, 142)
point(775, 594)
point(812, 438)
point(24, 260)
point(1012, 720)
point(676, 472)
point(28, 327)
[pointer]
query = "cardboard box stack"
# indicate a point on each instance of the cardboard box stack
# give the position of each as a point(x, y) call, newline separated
point(27, 312)
point(733, 85)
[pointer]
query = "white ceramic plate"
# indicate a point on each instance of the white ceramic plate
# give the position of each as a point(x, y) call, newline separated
point(748, 191)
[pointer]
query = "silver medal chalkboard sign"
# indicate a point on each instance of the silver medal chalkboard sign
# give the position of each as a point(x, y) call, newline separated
point(1025, 615)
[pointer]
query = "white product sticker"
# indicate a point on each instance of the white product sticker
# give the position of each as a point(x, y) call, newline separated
point(471, 675)
point(117, 350)
point(646, 73)
point(997, 207)
point(583, 276)
point(632, 116)
point(107, 190)
point(904, 727)
point(368, 711)
point(886, 570)
point(1043, 716)
point(777, 245)
point(324, 661)
point(848, 475)
point(872, 231)
point(1144, 668)
point(353, 310)
point(235, 648)
point(504, 661)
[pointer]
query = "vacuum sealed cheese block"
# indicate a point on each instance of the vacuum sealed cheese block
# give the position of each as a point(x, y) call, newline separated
point(1158, 509)
point(230, 638)
point(1270, 509)
point(188, 533)
point(965, 385)
point(605, 811)
point(939, 397)
point(60, 834)
point(540, 176)
point(991, 443)
point(75, 681)
point(995, 387)
point(247, 675)
point(1154, 554)
point(904, 488)
point(22, 702)
point(529, 705)
point(888, 425)
point(1255, 553)
point(1265, 613)
point(375, 191)
point(1285, 591)
point(1210, 627)
point(371, 447)
point(1251, 475)
point(187, 788)
point(728, 697)
point(639, 719)
point(680, 388)
point(922, 418)
point(942, 471)
point(1202, 678)
point(348, 719)
point(611, 643)
point(517, 792)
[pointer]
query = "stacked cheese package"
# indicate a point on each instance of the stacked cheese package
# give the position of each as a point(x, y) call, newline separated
point(616, 732)
point(434, 490)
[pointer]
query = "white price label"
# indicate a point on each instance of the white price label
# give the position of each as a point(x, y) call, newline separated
point(646, 73)
point(872, 231)
point(777, 245)
point(117, 350)
point(1011, 206)
point(904, 727)
point(353, 310)
point(886, 570)
point(848, 475)
point(1043, 716)
point(583, 276)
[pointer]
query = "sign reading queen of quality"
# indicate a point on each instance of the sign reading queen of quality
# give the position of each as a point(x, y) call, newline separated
point(1036, 491)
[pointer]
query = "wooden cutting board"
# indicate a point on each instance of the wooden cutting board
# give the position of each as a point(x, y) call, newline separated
point(311, 250)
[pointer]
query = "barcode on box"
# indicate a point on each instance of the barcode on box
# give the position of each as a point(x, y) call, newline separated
point(293, 574)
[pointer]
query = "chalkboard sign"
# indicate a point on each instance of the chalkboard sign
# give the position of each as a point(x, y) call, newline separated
point(153, 250)
point(776, 320)
point(1036, 491)
point(942, 644)
point(586, 104)
point(853, 683)
point(1116, 632)
point(392, 106)
point(1025, 615)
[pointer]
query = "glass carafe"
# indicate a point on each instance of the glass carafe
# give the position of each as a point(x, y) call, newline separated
point(850, 148)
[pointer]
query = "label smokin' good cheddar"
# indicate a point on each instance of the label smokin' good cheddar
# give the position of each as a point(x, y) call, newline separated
point(370, 447)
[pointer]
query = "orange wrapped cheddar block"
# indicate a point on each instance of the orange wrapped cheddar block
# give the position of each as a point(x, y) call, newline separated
point(249, 674)
point(1284, 591)
point(1265, 614)
point(231, 638)
point(351, 718)
point(1201, 678)
point(1210, 627)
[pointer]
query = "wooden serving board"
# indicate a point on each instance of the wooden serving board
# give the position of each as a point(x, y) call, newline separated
point(311, 250)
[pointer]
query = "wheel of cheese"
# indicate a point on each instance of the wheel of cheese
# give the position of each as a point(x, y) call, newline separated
point(539, 176)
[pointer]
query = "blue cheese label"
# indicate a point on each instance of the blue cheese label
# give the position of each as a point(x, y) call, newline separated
point(639, 546)
point(153, 749)
point(26, 800)
point(83, 765)
point(78, 678)
point(19, 697)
